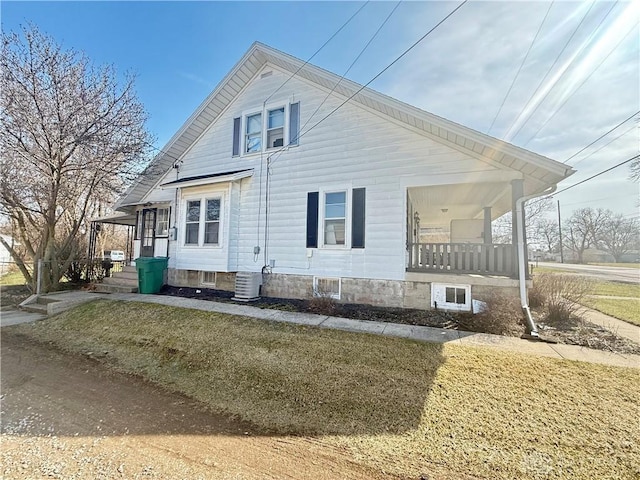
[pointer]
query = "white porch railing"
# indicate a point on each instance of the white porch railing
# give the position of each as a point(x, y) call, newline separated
point(495, 259)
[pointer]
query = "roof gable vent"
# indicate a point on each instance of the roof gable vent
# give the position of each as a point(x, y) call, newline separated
point(267, 74)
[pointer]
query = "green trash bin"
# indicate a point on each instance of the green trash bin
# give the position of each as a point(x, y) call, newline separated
point(151, 273)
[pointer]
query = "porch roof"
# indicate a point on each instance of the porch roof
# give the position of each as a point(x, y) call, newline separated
point(219, 177)
point(117, 219)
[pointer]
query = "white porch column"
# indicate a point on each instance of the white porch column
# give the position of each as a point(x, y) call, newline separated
point(488, 237)
point(517, 191)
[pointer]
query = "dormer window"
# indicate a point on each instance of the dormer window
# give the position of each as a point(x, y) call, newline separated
point(269, 129)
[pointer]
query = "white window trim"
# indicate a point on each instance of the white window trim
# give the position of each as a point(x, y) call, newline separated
point(265, 122)
point(458, 307)
point(347, 219)
point(163, 235)
point(202, 197)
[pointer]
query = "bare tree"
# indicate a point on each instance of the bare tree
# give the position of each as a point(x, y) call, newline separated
point(534, 212)
point(619, 236)
point(584, 228)
point(546, 233)
point(71, 136)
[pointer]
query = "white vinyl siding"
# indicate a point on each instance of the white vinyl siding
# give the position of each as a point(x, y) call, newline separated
point(333, 157)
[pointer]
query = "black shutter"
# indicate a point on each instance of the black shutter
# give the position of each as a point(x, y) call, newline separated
point(294, 123)
point(357, 217)
point(312, 219)
point(236, 137)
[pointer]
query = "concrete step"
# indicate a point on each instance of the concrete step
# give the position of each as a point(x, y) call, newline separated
point(127, 275)
point(129, 269)
point(120, 281)
point(35, 308)
point(45, 300)
point(107, 288)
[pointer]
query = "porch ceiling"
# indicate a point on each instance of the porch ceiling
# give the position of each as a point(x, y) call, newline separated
point(439, 204)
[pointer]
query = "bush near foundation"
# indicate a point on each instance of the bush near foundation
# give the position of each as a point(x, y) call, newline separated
point(560, 296)
point(503, 316)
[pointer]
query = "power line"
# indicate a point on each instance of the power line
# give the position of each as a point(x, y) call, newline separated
point(385, 68)
point(603, 146)
point(318, 50)
point(576, 90)
point(353, 63)
point(596, 175)
point(560, 55)
point(602, 136)
point(504, 100)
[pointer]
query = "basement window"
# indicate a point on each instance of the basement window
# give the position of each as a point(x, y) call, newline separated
point(451, 297)
point(327, 287)
point(208, 278)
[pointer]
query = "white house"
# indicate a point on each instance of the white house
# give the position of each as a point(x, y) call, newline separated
point(376, 204)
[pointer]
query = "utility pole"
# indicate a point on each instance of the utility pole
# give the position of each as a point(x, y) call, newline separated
point(560, 234)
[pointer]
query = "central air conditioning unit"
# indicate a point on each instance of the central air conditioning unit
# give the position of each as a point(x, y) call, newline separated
point(248, 286)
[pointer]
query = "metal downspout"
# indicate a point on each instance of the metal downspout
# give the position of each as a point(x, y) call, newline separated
point(522, 258)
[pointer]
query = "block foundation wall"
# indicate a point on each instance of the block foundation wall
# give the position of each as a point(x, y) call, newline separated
point(384, 293)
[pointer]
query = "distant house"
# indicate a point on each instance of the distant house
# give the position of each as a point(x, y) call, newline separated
point(381, 203)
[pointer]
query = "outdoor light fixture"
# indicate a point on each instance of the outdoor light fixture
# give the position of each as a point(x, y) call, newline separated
point(444, 210)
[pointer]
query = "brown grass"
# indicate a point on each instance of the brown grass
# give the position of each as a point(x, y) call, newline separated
point(397, 405)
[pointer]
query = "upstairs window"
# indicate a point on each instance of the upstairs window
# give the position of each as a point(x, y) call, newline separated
point(275, 128)
point(253, 135)
point(268, 129)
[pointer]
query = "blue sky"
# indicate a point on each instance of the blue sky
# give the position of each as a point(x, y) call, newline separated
point(181, 50)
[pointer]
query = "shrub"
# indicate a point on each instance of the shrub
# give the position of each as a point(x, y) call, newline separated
point(323, 305)
point(503, 316)
point(563, 295)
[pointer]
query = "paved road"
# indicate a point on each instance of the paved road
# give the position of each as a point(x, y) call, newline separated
point(616, 274)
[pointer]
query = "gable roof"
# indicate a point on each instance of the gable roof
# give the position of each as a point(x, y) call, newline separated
point(484, 147)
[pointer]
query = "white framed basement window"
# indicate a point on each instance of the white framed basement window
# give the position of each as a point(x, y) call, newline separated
point(203, 221)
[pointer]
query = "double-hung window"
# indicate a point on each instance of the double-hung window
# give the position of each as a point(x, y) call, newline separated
point(253, 133)
point(202, 222)
point(275, 128)
point(335, 218)
point(192, 224)
point(267, 129)
point(212, 222)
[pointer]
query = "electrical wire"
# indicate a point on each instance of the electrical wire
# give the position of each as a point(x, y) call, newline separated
point(575, 90)
point(594, 176)
point(504, 100)
point(352, 64)
point(318, 50)
point(603, 146)
point(602, 136)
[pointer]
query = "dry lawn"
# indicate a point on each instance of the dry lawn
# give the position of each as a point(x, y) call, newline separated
point(405, 407)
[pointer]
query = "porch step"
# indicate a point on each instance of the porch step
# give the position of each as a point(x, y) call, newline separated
point(111, 288)
point(125, 282)
point(129, 269)
point(36, 308)
point(125, 275)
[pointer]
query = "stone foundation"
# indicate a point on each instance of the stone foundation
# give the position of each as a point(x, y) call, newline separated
point(415, 292)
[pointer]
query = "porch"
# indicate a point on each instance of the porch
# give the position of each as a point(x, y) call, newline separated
point(449, 227)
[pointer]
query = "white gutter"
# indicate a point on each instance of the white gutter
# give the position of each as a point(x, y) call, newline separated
point(522, 257)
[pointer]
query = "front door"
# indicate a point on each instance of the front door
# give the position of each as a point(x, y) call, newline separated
point(148, 232)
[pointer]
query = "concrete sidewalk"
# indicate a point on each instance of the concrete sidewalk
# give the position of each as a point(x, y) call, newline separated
point(418, 333)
